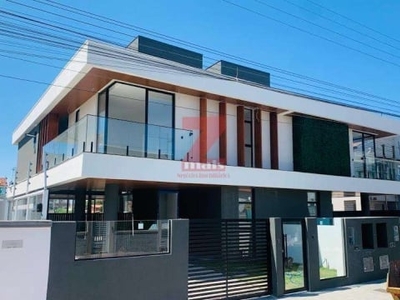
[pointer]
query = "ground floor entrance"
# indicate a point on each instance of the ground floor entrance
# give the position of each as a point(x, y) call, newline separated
point(229, 259)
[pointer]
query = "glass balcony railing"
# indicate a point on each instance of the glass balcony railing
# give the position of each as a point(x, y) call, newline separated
point(377, 168)
point(112, 136)
point(106, 239)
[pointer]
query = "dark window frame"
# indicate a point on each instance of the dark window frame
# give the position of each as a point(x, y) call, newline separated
point(247, 145)
point(364, 136)
point(147, 90)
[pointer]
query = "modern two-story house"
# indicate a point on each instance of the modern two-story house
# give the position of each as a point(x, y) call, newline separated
point(147, 133)
point(147, 130)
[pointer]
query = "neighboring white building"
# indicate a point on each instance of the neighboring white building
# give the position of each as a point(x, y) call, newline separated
point(343, 201)
point(3, 199)
point(146, 130)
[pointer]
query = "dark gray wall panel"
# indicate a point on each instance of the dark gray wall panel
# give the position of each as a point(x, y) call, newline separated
point(288, 203)
point(229, 202)
point(149, 278)
point(166, 51)
point(200, 203)
point(245, 73)
point(280, 203)
point(325, 204)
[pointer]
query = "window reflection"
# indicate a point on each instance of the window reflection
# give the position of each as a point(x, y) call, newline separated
point(136, 121)
point(245, 203)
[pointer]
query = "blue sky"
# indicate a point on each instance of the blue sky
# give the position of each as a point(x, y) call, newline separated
point(247, 32)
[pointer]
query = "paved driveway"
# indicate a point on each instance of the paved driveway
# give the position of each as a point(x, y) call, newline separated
point(367, 291)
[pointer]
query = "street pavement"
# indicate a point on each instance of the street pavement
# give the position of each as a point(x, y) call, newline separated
point(367, 291)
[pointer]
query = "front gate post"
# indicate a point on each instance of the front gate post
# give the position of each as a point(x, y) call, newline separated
point(312, 254)
point(277, 265)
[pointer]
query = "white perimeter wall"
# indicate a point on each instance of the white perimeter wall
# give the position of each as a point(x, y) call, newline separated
point(331, 248)
point(24, 269)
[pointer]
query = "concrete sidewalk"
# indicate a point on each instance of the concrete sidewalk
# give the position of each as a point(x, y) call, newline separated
point(367, 291)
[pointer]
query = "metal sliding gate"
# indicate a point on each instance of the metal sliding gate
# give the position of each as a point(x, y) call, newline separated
point(228, 259)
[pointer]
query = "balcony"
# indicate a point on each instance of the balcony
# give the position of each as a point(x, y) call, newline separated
point(377, 168)
point(118, 137)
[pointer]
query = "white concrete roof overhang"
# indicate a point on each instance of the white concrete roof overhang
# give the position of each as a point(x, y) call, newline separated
point(129, 62)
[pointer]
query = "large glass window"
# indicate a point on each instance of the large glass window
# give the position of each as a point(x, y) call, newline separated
point(364, 155)
point(160, 113)
point(101, 125)
point(20, 209)
point(35, 207)
point(137, 122)
point(126, 118)
point(94, 204)
point(127, 102)
point(61, 204)
point(127, 202)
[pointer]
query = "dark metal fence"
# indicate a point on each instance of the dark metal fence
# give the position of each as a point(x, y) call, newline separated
point(372, 213)
point(61, 217)
point(71, 217)
point(229, 259)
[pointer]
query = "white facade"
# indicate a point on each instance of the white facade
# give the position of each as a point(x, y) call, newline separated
point(231, 129)
point(266, 163)
point(187, 90)
point(97, 166)
point(285, 143)
point(87, 57)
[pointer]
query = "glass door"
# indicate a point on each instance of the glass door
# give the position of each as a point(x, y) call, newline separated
point(293, 255)
point(369, 153)
point(358, 154)
point(160, 125)
point(364, 155)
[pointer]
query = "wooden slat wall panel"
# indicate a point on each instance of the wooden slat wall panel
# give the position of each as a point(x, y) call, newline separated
point(48, 130)
point(223, 158)
point(203, 130)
